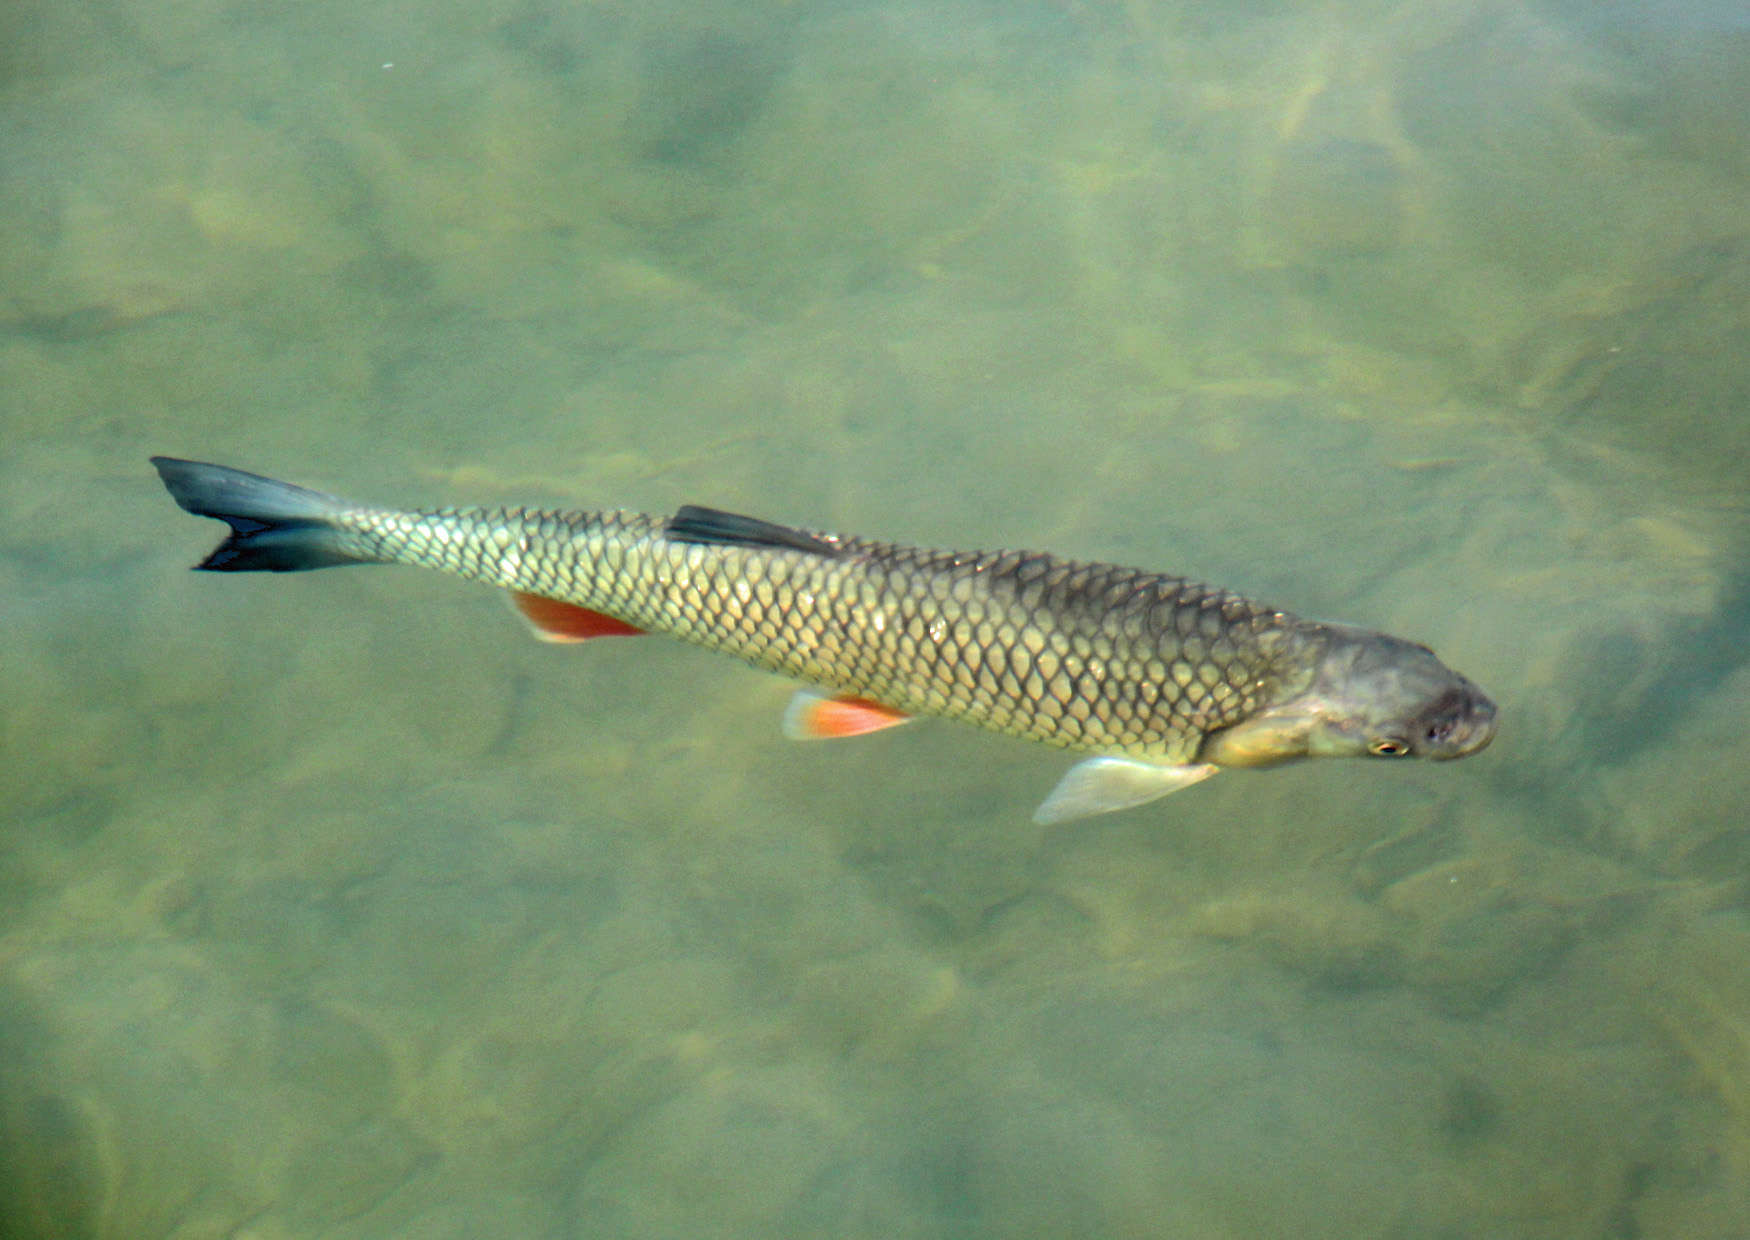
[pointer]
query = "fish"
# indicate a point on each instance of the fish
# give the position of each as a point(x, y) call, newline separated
point(1159, 680)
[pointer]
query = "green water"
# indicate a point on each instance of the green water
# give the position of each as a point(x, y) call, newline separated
point(332, 906)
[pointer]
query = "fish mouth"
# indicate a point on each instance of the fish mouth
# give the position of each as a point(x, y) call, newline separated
point(1459, 726)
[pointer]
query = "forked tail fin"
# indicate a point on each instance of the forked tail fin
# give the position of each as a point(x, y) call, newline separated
point(275, 526)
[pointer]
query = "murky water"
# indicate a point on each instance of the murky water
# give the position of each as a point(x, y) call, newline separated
point(332, 905)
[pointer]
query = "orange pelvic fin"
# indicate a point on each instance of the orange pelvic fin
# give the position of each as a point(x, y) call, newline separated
point(816, 716)
point(554, 621)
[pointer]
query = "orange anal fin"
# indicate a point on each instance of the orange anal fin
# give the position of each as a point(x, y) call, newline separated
point(816, 716)
point(554, 621)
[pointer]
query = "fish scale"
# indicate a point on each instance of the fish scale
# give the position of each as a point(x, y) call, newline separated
point(1085, 656)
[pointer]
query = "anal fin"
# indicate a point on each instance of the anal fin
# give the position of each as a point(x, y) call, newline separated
point(554, 621)
point(817, 716)
point(1101, 785)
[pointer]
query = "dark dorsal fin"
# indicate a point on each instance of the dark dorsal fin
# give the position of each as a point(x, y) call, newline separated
point(693, 524)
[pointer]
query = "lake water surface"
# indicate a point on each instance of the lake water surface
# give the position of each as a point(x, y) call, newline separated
point(333, 906)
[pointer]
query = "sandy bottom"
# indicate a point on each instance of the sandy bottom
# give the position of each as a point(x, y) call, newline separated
point(332, 906)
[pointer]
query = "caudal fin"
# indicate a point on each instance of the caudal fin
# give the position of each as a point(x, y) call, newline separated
point(275, 526)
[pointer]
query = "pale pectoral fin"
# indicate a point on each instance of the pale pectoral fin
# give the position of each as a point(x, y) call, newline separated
point(553, 621)
point(816, 716)
point(1101, 785)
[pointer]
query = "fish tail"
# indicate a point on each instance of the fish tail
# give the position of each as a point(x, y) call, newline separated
point(275, 527)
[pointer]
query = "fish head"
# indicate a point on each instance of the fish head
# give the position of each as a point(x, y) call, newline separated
point(1368, 695)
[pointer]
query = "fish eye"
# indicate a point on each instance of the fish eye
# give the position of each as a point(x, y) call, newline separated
point(1386, 747)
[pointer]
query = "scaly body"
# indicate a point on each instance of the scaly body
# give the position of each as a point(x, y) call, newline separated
point(1085, 656)
point(1149, 669)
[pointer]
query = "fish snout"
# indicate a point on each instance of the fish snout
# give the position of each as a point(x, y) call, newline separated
point(1461, 727)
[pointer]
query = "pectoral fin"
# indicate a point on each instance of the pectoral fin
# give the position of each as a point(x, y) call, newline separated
point(815, 716)
point(1101, 785)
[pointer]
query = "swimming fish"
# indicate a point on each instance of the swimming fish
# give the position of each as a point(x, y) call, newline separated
point(1162, 681)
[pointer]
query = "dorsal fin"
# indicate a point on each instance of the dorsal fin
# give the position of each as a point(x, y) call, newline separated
point(693, 524)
